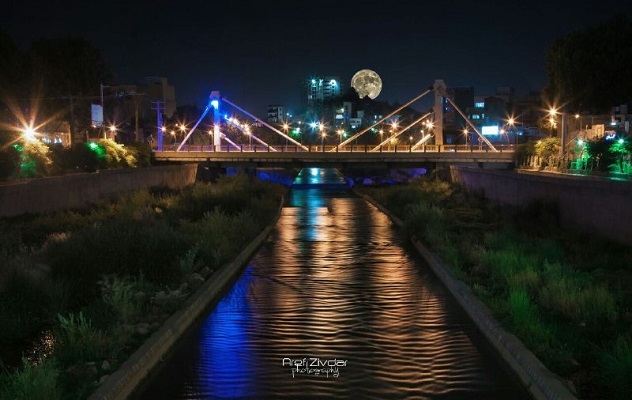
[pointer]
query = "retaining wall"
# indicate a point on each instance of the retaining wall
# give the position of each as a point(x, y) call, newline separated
point(599, 206)
point(76, 191)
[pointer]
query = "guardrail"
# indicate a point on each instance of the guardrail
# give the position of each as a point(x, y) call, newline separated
point(367, 148)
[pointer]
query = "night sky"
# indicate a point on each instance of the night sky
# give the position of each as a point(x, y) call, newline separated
point(258, 53)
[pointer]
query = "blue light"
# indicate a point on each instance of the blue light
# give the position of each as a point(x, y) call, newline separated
point(215, 104)
point(224, 344)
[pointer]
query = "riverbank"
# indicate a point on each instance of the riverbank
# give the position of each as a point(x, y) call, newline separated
point(566, 298)
point(97, 283)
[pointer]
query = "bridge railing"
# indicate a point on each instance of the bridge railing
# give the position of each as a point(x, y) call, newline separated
point(365, 148)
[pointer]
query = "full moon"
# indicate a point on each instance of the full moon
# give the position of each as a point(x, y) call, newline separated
point(367, 83)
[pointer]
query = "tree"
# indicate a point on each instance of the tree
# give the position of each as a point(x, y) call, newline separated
point(548, 149)
point(608, 154)
point(68, 66)
point(589, 70)
point(12, 62)
point(64, 67)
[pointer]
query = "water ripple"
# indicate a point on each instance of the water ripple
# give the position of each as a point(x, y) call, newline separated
point(332, 285)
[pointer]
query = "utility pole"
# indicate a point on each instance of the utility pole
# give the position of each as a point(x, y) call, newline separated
point(103, 112)
point(159, 106)
point(73, 136)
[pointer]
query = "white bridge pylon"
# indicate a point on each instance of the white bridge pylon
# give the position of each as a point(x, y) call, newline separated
point(440, 92)
point(214, 102)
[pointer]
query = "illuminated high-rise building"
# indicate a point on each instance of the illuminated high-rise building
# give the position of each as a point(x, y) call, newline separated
point(319, 89)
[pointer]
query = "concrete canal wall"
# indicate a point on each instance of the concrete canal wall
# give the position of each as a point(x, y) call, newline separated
point(592, 205)
point(76, 191)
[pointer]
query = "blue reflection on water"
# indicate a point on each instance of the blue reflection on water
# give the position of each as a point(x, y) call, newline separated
point(224, 359)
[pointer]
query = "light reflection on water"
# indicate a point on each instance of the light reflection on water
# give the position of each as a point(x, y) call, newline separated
point(332, 282)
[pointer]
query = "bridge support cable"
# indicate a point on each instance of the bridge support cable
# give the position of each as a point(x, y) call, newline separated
point(423, 140)
point(418, 120)
point(208, 107)
point(467, 120)
point(241, 128)
point(265, 124)
point(362, 132)
point(235, 145)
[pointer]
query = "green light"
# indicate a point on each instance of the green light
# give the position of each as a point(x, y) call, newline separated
point(99, 150)
point(621, 141)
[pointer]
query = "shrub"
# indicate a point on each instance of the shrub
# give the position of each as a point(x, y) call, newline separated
point(119, 293)
point(121, 247)
point(426, 222)
point(35, 160)
point(574, 296)
point(616, 369)
point(111, 154)
point(142, 152)
point(40, 381)
point(79, 342)
point(526, 321)
point(9, 160)
point(187, 262)
point(27, 300)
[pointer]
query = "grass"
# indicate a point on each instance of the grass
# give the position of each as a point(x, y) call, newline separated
point(92, 276)
point(565, 295)
point(39, 381)
point(616, 366)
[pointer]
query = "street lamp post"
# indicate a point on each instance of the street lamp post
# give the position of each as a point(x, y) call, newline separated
point(247, 129)
point(511, 122)
point(553, 112)
point(103, 111)
point(286, 127)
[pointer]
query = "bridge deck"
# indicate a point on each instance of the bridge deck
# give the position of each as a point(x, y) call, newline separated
point(329, 155)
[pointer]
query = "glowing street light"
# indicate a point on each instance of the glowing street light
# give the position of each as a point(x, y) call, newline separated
point(29, 134)
point(247, 130)
point(553, 112)
point(466, 132)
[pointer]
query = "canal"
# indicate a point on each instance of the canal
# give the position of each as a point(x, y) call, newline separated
point(333, 305)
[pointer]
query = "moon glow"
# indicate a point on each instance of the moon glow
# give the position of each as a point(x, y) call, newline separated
point(367, 83)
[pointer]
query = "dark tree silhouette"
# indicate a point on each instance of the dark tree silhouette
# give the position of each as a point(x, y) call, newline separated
point(590, 70)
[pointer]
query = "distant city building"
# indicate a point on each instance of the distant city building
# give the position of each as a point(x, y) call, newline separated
point(130, 106)
point(463, 97)
point(276, 113)
point(158, 89)
point(320, 89)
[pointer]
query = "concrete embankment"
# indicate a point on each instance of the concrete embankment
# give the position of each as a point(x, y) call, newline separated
point(541, 383)
point(80, 190)
point(592, 205)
